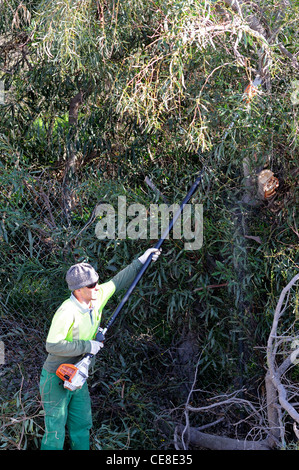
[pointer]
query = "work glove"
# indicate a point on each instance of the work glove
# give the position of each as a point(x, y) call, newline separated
point(95, 347)
point(148, 252)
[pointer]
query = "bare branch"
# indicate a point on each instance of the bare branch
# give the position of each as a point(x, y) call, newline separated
point(277, 393)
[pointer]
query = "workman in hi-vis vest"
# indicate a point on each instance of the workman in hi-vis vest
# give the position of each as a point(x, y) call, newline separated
point(71, 335)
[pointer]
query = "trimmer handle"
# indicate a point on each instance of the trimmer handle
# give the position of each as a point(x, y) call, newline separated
point(100, 336)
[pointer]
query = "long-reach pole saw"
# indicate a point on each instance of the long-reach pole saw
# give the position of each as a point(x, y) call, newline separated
point(75, 375)
point(149, 259)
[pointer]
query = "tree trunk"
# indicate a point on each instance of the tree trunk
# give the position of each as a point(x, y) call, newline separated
point(214, 442)
point(272, 411)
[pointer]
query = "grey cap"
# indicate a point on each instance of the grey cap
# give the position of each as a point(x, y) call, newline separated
point(81, 275)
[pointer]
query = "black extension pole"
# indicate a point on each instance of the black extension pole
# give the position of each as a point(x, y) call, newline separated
point(148, 261)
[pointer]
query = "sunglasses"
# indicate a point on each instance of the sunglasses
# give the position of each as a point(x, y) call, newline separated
point(92, 286)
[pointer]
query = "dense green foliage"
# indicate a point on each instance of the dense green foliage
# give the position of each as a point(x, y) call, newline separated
point(159, 84)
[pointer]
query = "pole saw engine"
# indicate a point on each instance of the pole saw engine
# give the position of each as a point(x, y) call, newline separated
point(75, 375)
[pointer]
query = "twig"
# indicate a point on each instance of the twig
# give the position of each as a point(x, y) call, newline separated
point(44, 198)
point(211, 286)
point(155, 189)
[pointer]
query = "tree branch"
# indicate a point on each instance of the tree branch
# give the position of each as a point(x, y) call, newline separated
point(276, 391)
point(214, 442)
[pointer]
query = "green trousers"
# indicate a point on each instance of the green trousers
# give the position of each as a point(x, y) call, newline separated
point(64, 408)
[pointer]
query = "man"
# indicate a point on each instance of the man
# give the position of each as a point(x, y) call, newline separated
point(72, 334)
